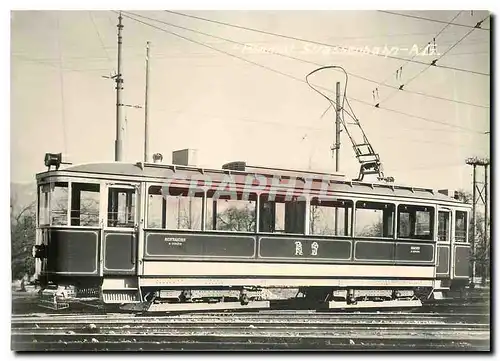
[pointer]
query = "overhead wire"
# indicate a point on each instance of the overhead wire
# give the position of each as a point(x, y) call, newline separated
point(433, 63)
point(125, 14)
point(320, 132)
point(344, 48)
point(469, 53)
point(345, 98)
point(57, 67)
point(428, 19)
point(400, 68)
point(100, 39)
point(310, 62)
point(306, 61)
point(418, 117)
point(290, 76)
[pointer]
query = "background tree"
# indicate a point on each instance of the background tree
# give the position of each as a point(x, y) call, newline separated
point(23, 228)
point(22, 232)
point(481, 253)
point(237, 219)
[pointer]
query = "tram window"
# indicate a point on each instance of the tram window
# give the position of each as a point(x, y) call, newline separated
point(280, 215)
point(271, 217)
point(415, 222)
point(85, 199)
point(59, 203)
point(183, 211)
point(461, 226)
point(322, 217)
point(43, 204)
point(404, 225)
point(157, 207)
point(444, 226)
point(374, 219)
point(235, 214)
point(121, 207)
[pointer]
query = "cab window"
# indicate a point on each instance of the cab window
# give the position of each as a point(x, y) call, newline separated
point(85, 199)
point(53, 204)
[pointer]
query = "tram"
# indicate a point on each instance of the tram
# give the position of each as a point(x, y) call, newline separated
point(170, 237)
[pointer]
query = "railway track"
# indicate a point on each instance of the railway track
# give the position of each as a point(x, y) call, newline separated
point(457, 325)
point(263, 330)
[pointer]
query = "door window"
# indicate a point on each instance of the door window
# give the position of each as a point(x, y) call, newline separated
point(121, 207)
point(461, 226)
point(444, 226)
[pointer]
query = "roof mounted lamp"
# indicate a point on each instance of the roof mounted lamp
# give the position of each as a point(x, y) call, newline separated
point(54, 159)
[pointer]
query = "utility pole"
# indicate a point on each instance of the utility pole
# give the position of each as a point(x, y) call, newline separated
point(337, 144)
point(473, 241)
point(146, 107)
point(475, 192)
point(119, 88)
point(486, 226)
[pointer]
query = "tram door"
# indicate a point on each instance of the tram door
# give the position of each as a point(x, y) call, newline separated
point(120, 231)
point(444, 244)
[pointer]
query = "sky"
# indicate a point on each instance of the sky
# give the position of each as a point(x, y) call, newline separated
point(261, 112)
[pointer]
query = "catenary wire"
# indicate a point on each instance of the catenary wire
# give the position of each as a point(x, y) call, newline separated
point(433, 62)
point(435, 36)
point(321, 43)
point(100, 39)
point(298, 79)
point(310, 62)
point(428, 19)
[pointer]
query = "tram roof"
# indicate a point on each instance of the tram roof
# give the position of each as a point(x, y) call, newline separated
point(338, 182)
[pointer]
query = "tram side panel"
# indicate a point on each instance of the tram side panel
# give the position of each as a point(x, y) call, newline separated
point(461, 265)
point(299, 261)
point(69, 254)
point(73, 252)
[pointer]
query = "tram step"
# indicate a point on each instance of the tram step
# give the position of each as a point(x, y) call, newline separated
point(120, 296)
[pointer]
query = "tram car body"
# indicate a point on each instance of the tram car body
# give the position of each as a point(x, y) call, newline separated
point(139, 233)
